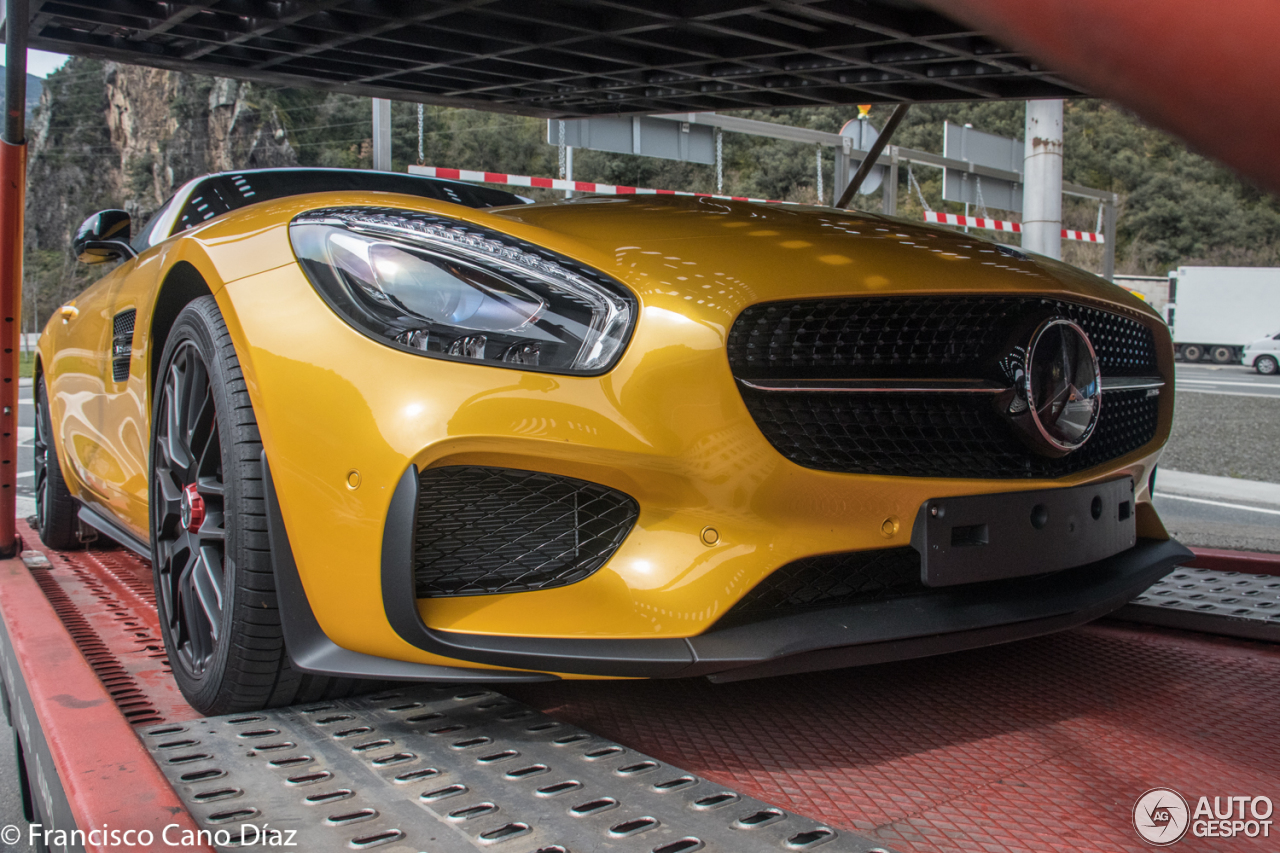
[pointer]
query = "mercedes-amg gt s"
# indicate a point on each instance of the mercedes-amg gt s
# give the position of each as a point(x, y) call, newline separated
point(368, 425)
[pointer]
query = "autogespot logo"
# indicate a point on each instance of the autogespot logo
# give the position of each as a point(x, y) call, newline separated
point(1161, 816)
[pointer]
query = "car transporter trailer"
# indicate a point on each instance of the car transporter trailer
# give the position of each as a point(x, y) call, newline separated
point(1036, 745)
point(1044, 744)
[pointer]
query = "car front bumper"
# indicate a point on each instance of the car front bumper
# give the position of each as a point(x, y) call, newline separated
point(933, 621)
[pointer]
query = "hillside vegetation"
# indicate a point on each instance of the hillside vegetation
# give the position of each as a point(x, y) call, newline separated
point(110, 135)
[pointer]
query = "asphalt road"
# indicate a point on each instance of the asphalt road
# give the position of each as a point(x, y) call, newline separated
point(26, 434)
point(1234, 525)
point(1225, 436)
point(1233, 379)
point(1226, 424)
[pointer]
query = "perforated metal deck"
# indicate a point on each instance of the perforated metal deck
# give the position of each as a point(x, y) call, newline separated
point(1232, 603)
point(1042, 745)
point(457, 769)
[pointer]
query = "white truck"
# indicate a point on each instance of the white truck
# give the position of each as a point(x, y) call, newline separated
point(1215, 312)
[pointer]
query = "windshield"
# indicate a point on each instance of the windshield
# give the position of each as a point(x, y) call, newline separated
point(143, 239)
point(219, 194)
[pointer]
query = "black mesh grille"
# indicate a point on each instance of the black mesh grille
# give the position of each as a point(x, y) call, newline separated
point(122, 344)
point(828, 580)
point(921, 434)
point(494, 530)
point(916, 336)
point(935, 435)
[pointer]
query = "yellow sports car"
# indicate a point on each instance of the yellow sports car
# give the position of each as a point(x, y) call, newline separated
point(369, 425)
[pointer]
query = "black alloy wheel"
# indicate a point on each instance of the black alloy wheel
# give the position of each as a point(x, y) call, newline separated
point(211, 558)
point(187, 509)
point(55, 508)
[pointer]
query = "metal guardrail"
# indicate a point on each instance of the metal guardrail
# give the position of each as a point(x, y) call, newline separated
point(770, 130)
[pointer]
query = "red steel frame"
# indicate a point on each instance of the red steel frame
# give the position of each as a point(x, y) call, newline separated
point(13, 184)
point(106, 774)
point(1249, 562)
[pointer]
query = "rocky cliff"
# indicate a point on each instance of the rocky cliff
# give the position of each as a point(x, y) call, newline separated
point(110, 135)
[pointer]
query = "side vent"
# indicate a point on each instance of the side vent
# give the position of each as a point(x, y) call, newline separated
point(122, 344)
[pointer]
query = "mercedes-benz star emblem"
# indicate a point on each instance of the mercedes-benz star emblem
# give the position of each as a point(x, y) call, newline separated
point(1057, 388)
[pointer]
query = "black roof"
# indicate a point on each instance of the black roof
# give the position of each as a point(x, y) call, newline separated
point(562, 57)
point(219, 193)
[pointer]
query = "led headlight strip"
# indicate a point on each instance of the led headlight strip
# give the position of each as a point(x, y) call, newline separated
point(581, 326)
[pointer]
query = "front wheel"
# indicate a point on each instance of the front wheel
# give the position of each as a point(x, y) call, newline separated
point(55, 508)
point(215, 590)
point(1266, 365)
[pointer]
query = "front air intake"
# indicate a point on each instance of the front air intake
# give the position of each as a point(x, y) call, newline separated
point(483, 531)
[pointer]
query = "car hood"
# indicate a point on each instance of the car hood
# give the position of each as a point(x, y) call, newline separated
point(732, 254)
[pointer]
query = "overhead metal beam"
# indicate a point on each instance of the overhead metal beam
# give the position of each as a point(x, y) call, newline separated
point(562, 58)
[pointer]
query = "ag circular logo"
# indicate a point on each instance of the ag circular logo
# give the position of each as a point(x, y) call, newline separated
point(1055, 392)
point(1064, 387)
point(1161, 816)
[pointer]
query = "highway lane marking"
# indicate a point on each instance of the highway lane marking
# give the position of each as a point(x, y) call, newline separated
point(1226, 382)
point(1216, 503)
point(1228, 393)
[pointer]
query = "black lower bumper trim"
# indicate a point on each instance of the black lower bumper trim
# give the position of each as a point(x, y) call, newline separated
point(101, 522)
point(1107, 597)
point(946, 619)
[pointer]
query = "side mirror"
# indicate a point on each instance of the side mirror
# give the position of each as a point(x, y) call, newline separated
point(104, 236)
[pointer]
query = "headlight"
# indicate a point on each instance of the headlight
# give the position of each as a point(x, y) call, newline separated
point(449, 289)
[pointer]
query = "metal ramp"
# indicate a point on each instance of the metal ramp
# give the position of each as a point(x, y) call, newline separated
point(1234, 604)
point(446, 768)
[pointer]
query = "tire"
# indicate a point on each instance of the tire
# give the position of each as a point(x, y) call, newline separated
point(211, 558)
point(1192, 352)
point(1221, 355)
point(1266, 365)
point(56, 511)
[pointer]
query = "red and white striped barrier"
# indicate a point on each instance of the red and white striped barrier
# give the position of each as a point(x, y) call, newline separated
point(971, 221)
point(1001, 225)
point(476, 177)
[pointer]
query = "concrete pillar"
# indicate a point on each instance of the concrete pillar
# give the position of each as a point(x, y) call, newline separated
point(1042, 189)
point(382, 134)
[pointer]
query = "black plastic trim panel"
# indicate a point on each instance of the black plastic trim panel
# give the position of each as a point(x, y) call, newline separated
point(102, 522)
point(946, 620)
point(311, 650)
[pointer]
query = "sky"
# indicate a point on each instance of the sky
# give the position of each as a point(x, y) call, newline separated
point(41, 63)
